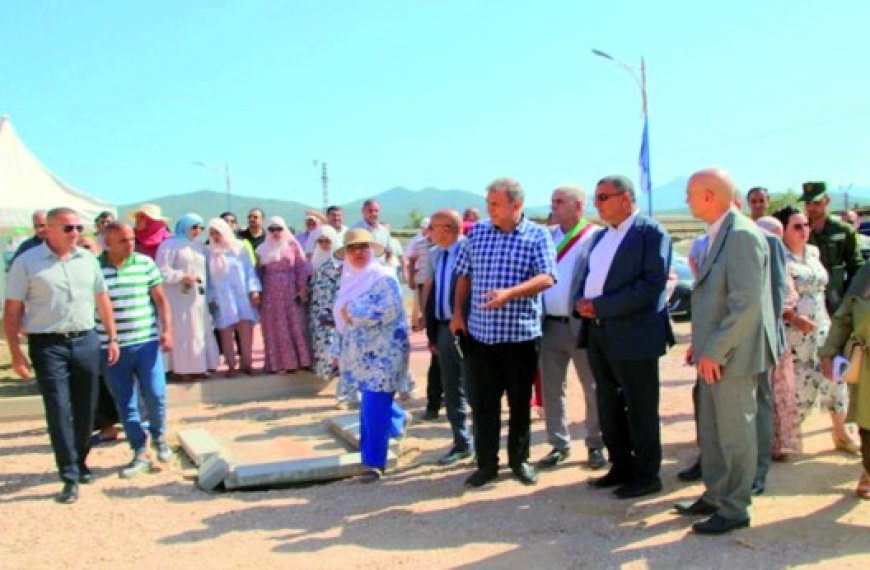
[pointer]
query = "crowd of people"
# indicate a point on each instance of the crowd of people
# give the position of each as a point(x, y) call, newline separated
point(506, 305)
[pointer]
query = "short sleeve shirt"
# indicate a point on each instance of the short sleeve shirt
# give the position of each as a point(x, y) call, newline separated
point(497, 260)
point(58, 294)
point(129, 289)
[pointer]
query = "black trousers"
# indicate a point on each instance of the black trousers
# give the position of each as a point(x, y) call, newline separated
point(434, 389)
point(496, 369)
point(68, 371)
point(628, 409)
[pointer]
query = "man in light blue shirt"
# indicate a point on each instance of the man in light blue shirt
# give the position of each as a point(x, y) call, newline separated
point(52, 294)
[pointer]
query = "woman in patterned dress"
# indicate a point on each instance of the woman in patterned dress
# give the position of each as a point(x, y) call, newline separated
point(284, 273)
point(807, 328)
point(324, 286)
point(372, 346)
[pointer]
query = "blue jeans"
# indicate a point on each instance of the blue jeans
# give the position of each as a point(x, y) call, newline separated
point(142, 365)
point(381, 418)
point(67, 371)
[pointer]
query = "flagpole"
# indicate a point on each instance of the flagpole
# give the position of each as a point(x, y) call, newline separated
point(643, 157)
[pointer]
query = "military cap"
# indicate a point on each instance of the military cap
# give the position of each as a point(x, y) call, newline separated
point(813, 191)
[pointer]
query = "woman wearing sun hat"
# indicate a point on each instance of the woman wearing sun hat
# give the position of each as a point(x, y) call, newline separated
point(372, 346)
point(149, 226)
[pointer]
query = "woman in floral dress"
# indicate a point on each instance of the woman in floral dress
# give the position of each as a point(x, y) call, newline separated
point(372, 346)
point(324, 286)
point(284, 273)
point(807, 328)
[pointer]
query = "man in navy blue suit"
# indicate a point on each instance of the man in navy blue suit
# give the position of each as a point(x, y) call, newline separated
point(625, 330)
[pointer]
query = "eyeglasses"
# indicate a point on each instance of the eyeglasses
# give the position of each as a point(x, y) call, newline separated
point(605, 197)
point(39, 226)
point(357, 247)
point(70, 228)
point(276, 229)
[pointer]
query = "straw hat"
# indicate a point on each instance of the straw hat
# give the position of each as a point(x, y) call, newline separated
point(316, 215)
point(150, 210)
point(357, 236)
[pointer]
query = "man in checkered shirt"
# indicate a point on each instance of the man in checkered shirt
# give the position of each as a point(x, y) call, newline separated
point(508, 262)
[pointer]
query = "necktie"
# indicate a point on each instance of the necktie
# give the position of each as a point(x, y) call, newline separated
point(443, 288)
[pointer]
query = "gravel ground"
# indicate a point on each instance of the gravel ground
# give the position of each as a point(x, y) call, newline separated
point(420, 515)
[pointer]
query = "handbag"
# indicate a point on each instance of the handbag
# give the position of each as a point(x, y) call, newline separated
point(855, 350)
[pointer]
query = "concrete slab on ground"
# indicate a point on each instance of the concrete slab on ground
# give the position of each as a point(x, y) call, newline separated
point(199, 445)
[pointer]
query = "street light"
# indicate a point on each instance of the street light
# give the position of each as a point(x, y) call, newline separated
point(225, 170)
point(639, 75)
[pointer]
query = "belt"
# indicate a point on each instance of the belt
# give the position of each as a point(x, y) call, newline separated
point(558, 319)
point(62, 335)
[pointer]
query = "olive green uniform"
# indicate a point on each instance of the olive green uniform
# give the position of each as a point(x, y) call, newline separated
point(841, 256)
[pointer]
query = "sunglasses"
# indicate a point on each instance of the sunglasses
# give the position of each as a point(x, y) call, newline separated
point(358, 247)
point(606, 197)
point(276, 229)
point(69, 228)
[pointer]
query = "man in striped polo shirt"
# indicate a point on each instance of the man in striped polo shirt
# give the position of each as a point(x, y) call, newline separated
point(134, 281)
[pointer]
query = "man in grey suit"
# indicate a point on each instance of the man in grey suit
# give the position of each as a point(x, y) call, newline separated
point(733, 341)
point(572, 235)
point(438, 292)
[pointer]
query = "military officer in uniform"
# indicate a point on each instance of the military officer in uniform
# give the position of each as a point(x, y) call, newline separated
point(836, 240)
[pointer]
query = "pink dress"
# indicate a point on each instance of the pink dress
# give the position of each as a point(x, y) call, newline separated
point(786, 418)
point(282, 318)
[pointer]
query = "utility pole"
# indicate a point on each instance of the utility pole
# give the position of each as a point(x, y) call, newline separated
point(324, 178)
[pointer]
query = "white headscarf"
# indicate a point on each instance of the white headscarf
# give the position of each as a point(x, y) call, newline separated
point(319, 256)
point(355, 282)
point(217, 261)
point(273, 247)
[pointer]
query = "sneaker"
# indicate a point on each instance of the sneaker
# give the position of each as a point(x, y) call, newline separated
point(164, 452)
point(140, 464)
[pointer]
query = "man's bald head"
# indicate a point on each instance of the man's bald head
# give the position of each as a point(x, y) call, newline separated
point(445, 227)
point(448, 216)
point(710, 193)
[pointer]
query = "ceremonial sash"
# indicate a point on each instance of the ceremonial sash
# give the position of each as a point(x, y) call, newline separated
point(571, 238)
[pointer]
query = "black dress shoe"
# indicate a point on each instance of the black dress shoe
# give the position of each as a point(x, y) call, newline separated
point(699, 507)
point(85, 476)
point(526, 474)
point(690, 474)
point(454, 455)
point(69, 494)
point(612, 479)
point(638, 489)
point(429, 416)
point(596, 458)
point(480, 478)
point(555, 457)
point(719, 525)
point(757, 488)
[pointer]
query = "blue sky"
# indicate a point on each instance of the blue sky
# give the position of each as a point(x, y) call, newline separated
point(118, 98)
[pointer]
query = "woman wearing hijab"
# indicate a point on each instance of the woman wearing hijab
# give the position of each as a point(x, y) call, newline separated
point(284, 273)
point(371, 346)
point(851, 328)
point(181, 260)
point(233, 293)
point(149, 228)
point(324, 286)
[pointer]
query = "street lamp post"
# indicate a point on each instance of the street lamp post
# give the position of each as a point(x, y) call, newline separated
point(324, 179)
point(639, 75)
point(225, 170)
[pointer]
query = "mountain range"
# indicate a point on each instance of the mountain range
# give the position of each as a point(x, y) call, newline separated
point(397, 203)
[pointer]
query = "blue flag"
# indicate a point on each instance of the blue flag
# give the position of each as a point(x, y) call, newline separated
point(643, 159)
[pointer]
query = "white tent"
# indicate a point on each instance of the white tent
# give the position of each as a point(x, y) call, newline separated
point(26, 185)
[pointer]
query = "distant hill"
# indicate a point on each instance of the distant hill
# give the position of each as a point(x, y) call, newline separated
point(397, 203)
